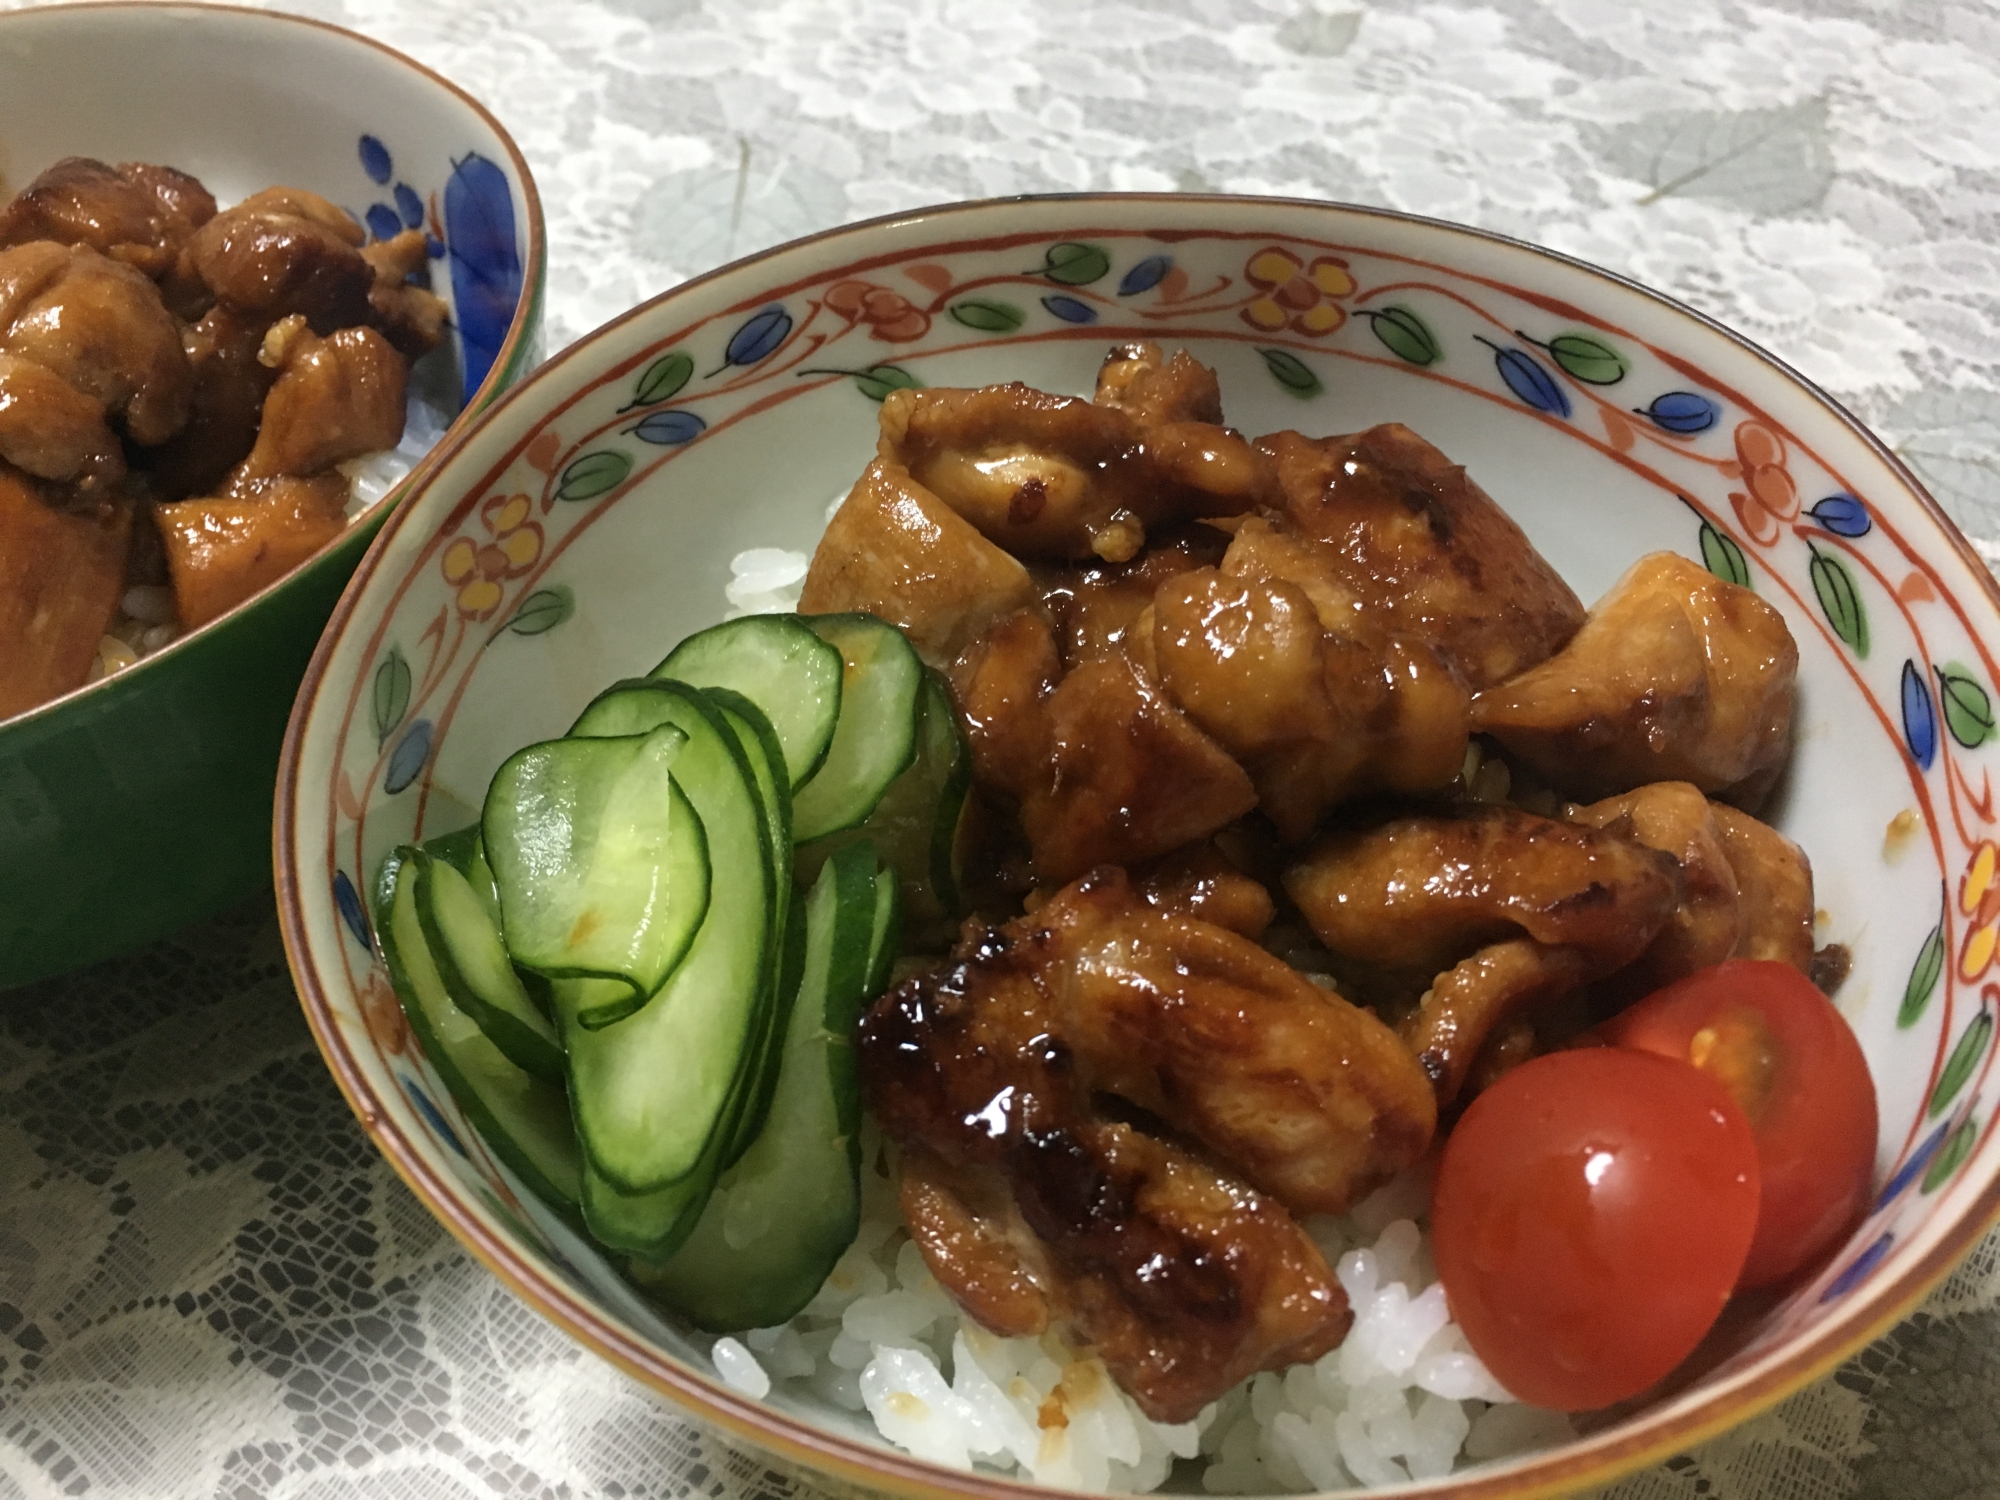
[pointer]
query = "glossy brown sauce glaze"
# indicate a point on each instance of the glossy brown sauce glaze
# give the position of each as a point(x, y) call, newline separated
point(1320, 694)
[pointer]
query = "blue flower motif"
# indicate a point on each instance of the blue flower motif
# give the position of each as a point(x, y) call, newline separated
point(1146, 275)
point(408, 758)
point(409, 206)
point(347, 901)
point(433, 1116)
point(1919, 716)
point(375, 160)
point(1683, 412)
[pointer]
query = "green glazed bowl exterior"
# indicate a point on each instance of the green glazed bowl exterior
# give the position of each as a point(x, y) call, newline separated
point(141, 803)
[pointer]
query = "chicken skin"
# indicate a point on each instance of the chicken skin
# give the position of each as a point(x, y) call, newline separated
point(1313, 716)
point(284, 251)
point(1423, 551)
point(1497, 912)
point(1312, 1099)
point(1706, 924)
point(1055, 478)
point(1034, 1205)
point(1676, 676)
point(50, 429)
point(101, 327)
point(137, 214)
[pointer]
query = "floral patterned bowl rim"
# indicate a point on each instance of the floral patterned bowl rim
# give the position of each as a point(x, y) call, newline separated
point(312, 933)
point(514, 352)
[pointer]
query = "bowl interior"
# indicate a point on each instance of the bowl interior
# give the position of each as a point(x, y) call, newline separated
point(730, 414)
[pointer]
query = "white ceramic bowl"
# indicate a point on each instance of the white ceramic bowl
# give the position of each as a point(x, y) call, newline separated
point(1609, 421)
point(139, 803)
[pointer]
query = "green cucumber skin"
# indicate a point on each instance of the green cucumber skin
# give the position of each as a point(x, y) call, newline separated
point(534, 1051)
point(458, 848)
point(766, 757)
point(887, 938)
point(914, 826)
point(564, 1195)
point(865, 758)
point(649, 1224)
point(808, 1188)
point(465, 851)
point(779, 664)
point(764, 1076)
point(672, 1114)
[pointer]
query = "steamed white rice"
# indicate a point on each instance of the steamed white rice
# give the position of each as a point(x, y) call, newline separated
point(1402, 1398)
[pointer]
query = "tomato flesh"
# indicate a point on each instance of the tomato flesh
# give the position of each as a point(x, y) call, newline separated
point(1592, 1213)
point(1768, 1035)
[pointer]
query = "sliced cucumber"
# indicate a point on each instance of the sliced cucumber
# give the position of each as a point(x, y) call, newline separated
point(761, 1076)
point(602, 863)
point(652, 1091)
point(781, 666)
point(778, 1221)
point(915, 826)
point(760, 745)
point(473, 964)
point(524, 1121)
point(875, 738)
point(458, 848)
point(887, 933)
point(650, 1224)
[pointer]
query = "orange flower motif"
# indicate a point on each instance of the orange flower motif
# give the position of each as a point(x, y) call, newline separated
point(1769, 497)
point(890, 316)
point(1979, 899)
point(381, 1013)
point(1297, 295)
point(479, 571)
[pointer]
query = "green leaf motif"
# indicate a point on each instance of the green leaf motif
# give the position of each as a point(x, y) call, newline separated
point(1951, 1156)
point(1406, 335)
point(1290, 372)
point(1075, 264)
point(1590, 360)
point(663, 378)
point(1923, 980)
point(1722, 557)
point(878, 380)
point(1840, 599)
point(1968, 709)
point(1958, 1067)
point(986, 315)
point(594, 474)
point(543, 610)
point(391, 697)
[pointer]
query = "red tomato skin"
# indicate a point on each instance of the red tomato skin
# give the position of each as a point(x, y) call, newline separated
point(1592, 1212)
point(1816, 1130)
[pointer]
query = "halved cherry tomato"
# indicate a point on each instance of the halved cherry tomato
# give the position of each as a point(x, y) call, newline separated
point(1784, 1052)
point(1592, 1212)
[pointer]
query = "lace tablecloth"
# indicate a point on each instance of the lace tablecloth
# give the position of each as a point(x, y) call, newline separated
point(211, 1285)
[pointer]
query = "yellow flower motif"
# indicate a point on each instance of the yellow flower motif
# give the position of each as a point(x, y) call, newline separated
point(1296, 295)
point(1979, 899)
point(479, 571)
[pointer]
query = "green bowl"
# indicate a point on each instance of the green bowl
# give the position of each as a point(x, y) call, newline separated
point(142, 802)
